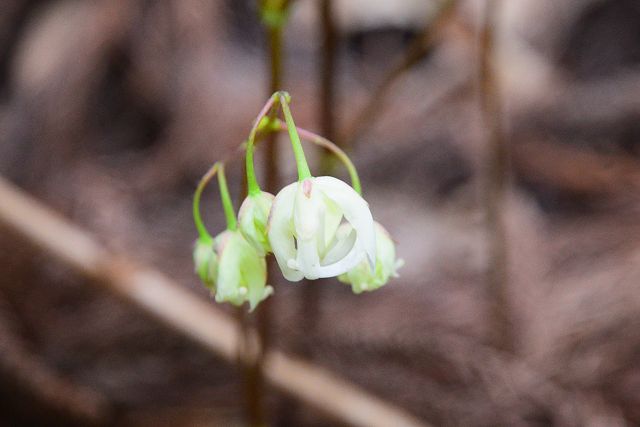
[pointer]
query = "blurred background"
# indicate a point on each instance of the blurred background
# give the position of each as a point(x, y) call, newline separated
point(498, 142)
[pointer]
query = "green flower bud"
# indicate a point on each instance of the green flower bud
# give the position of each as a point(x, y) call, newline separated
point(253, 217)
point(206, 262)
point(362, 278)
point(241, 273)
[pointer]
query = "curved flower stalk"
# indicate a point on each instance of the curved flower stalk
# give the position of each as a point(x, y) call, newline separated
point(254, 211)
point(305, 221)
point(228, 265)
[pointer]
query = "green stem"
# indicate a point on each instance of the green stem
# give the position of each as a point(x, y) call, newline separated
point(226, 199)
point(252, 182)
point(197, 218)
point(298, 152)
point(335, 150)
point(258, 124)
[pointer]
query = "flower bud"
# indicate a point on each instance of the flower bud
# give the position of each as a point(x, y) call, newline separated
point(232, 269)
point(362, 278)
point(252, 220)
point(242, 272)
point(206, 262)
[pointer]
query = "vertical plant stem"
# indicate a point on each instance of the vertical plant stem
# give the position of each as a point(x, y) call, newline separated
point(495, 185)
point(246, 358)
point(327, 84)
point(249, 359)
point(254, 380)
point(272, 179)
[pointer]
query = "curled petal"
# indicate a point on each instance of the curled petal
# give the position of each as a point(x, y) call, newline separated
point(343, 243)
point(332, 220)
point(355, 210)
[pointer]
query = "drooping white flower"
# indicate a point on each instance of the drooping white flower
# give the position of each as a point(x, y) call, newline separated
point(252, 220)
point(305, 234)
point(362, 278)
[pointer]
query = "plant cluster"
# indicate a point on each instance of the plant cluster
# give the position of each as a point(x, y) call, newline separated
point(316, 227)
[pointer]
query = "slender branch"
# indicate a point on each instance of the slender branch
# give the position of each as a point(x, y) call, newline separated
point(327, 79)
point(496, 177)
point(327, 69)
point(272, 176)
point(419, 48)
point(253, 368)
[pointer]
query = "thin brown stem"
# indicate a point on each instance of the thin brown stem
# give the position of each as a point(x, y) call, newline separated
point(327, 59)
point(272, 178)
point(254, 381)
point(495, 184)
point(252, 361)
point(417, 50)
point(249, 358)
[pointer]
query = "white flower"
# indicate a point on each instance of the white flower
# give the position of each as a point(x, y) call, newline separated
point(305, 234)
point(362, 278)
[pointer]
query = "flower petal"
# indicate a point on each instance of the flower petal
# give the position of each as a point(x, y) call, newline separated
point(355, 255)
point(280, 232)
point(343, 242)
point(355, 210)
point(229, 278)
point(332, 220)
point(254, 276)
point(308, 221)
